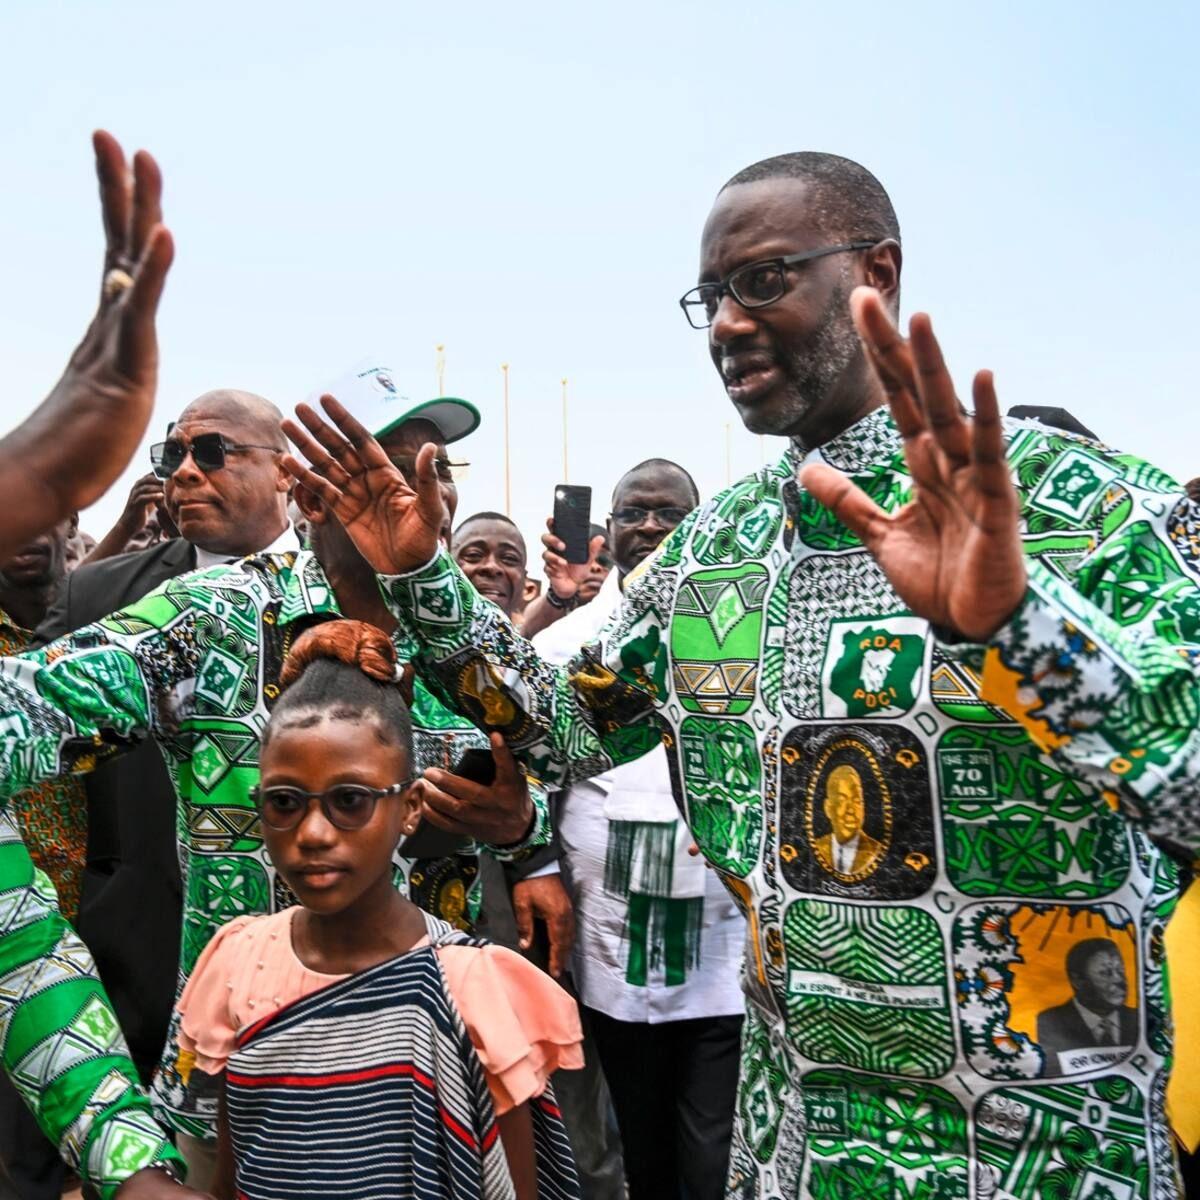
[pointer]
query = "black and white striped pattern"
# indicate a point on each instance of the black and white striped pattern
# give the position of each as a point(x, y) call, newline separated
point(371, 1090)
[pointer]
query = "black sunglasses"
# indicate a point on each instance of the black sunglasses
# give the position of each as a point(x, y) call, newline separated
point(347, 806)
point(208, 451)
point(755, 285)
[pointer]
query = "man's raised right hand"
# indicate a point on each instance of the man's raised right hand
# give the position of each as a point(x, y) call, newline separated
point(395, 527)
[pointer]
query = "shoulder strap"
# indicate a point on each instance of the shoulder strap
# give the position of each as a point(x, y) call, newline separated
point(441, 933)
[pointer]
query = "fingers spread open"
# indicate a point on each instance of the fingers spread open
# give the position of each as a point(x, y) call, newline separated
point(364, 443)
point(991, 465)
point(846, 500)
point(334, 446)
point(890, 358)
point(936, 391)
point(429, 492)
point(888, 350)
point(323, 463)
point(317, 484)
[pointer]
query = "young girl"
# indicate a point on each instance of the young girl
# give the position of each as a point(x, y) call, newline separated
point(366, 1049)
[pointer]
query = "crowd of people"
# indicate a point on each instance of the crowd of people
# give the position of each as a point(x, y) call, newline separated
point(823, 838)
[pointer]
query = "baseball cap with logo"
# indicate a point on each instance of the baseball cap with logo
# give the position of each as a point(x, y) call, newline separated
point(374, 395)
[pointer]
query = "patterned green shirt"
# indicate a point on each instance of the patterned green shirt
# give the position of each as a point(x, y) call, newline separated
point(954, 966)
point(195, 664)
point(59, 1039)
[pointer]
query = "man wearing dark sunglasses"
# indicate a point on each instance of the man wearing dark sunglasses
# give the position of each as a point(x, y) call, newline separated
point(223, 485)
point(194, 668)
point(222, 482)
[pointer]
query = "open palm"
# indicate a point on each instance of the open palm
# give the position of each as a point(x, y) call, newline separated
point(395, 527)
point(953, 553)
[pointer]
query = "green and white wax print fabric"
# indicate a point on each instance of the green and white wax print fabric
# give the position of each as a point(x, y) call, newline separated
point(196, 666)
point(956, 974)
point(59, 1039)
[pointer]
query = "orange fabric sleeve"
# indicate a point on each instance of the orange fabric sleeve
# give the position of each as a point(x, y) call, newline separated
point(522, 1024)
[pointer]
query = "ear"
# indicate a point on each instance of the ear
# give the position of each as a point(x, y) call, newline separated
point(410, 806)
point(283, 478)
point(882, 271)
point(313, 508)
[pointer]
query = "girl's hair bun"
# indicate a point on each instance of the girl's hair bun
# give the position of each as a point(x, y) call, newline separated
point(355, 643)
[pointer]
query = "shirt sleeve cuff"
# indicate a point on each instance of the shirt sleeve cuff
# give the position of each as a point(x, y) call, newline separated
point(1062, 668)
point(124, 1143)
point(539, 830)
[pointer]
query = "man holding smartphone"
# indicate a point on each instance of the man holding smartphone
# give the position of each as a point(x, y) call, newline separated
point(659, 945)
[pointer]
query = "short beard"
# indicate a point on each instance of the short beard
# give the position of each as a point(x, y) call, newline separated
point(814, 372)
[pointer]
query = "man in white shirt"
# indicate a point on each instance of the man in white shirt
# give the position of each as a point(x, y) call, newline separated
point(659, 943)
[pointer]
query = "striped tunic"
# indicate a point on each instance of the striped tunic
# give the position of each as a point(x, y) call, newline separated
point(370, 1089)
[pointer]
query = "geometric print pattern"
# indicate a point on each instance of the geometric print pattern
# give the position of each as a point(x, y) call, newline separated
point(59, 1039)
point(914, 996)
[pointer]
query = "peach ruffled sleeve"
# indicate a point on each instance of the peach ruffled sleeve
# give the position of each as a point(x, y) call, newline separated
point(207, 1027)
point(522, 1024)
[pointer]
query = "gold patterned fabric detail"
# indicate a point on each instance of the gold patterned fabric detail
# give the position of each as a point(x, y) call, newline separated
point(52, 816)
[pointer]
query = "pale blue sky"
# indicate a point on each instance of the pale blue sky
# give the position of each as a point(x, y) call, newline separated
point(526, 183)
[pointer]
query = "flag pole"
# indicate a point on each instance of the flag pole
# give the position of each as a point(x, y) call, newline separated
point(566, 477)
point(440, 364)
point(507, 475)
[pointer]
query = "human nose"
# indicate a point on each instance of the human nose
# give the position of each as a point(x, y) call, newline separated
point(187, 469)
point(729, 322)
point(315, 828)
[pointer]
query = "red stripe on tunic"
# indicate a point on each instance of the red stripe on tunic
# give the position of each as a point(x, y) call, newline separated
point(460, 1131)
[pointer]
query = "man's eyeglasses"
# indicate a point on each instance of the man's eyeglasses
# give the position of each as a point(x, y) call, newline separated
point(668, 518)
point(447, 471)
point(755, 285)
point(347, 806)
point(208, 450)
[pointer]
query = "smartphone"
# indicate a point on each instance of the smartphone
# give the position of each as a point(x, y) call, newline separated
point(573, 520)
point(478, 766)
point(428, 841)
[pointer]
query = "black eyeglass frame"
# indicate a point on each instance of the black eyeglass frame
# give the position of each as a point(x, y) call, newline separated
point(692, 299)
point(213, 449)
point(376, 794)
point(454, 472)
point(615, 517)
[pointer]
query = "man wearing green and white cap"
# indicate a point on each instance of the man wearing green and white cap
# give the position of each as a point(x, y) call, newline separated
point(195, 666)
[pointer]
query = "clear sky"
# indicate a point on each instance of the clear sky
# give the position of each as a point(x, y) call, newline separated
point(526, 184)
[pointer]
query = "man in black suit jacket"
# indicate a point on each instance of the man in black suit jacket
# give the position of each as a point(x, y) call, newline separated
point(1096, 1015)
point(129, 913)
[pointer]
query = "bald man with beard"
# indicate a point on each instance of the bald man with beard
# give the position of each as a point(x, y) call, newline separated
point(129, 913)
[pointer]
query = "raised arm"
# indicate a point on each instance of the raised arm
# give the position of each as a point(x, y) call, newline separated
point(562, 722)
point(68, 452)
point(1107, 684)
